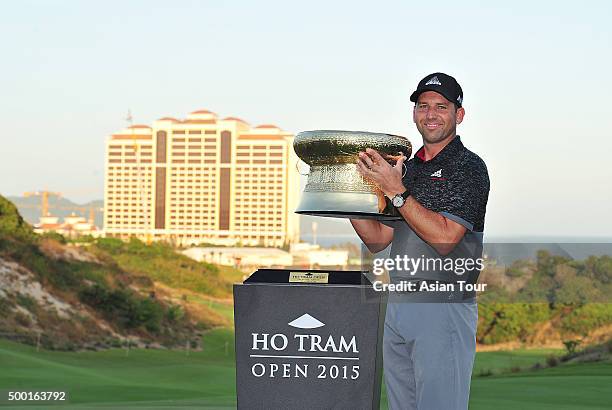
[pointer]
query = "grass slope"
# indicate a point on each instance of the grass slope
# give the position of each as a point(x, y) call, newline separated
point(162, 263)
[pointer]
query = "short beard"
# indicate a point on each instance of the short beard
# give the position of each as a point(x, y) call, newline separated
point(435, 138)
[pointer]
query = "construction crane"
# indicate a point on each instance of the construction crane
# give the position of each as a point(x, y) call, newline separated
point(44, 195)
point(85, 211)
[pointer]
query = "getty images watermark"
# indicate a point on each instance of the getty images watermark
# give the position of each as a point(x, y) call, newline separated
point(500, 272)
point(444, 274)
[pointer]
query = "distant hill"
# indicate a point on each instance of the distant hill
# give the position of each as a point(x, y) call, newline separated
point(30, 208)
point(98, 294)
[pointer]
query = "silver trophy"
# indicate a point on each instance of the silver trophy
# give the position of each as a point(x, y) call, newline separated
point(334, 187)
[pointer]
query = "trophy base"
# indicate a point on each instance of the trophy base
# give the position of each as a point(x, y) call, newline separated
point(349, 205)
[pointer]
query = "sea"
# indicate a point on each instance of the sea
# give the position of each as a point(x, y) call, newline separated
point(506, 249)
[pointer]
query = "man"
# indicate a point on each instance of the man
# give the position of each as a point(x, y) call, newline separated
point(429, 348)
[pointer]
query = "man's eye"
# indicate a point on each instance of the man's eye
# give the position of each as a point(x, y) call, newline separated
point(441, 107)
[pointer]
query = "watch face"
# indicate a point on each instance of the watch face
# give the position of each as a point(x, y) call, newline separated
point(397, 201)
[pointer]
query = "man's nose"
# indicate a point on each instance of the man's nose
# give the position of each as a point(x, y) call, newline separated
point(431, 112)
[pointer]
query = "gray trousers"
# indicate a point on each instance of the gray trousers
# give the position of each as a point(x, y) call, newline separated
point(428, 354)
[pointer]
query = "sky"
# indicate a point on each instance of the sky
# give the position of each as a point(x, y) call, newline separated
point(535, 75)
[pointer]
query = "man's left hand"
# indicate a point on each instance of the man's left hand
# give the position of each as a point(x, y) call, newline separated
point(388, 178)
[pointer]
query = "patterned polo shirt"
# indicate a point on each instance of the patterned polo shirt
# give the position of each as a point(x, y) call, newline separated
point(455, 183)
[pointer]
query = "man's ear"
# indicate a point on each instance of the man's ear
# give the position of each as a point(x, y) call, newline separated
point(414, 114)
point(460, 115)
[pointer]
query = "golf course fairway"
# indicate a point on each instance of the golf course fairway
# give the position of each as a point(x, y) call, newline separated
point(147, 378)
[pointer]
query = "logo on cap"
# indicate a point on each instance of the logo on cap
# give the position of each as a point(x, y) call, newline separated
point(460, 100)
point(433, 80)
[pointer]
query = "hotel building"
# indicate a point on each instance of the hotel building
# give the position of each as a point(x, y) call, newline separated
point(202, 180)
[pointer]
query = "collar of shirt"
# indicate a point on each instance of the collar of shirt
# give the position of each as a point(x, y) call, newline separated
point(448, 152)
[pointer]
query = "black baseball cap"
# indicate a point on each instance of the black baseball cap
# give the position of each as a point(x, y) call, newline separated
point(443, 84)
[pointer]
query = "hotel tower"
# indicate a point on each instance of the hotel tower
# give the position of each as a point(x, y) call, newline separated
point(202, 180)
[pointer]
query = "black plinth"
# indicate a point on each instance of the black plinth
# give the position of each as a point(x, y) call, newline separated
point(308, 340)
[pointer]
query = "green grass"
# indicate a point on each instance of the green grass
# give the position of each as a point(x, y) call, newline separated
point(570, 387)
point(231, 274)
point(573, 386)
point(576, 386)
point(504, 361)
point(161, 262)
point(501, 362)
point(224, 309)
point(143, 378)
point(172, 379)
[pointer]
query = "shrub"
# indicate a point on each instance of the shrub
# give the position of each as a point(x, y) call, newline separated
point(111, 245)
point(501, 322)
point(552, 361)
point(175, 313)
point(571, 345)
point(23, 319)
point(54, 236)
point(12, 224)
point(26, 301)
point(123, 306)
point(5, 306)
point(585, 318)
point(148, 313)
point(84, 239)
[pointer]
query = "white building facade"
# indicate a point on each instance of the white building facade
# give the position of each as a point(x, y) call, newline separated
point(202, 180)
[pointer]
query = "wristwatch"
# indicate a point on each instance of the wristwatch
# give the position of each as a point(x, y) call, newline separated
point(400, 199)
